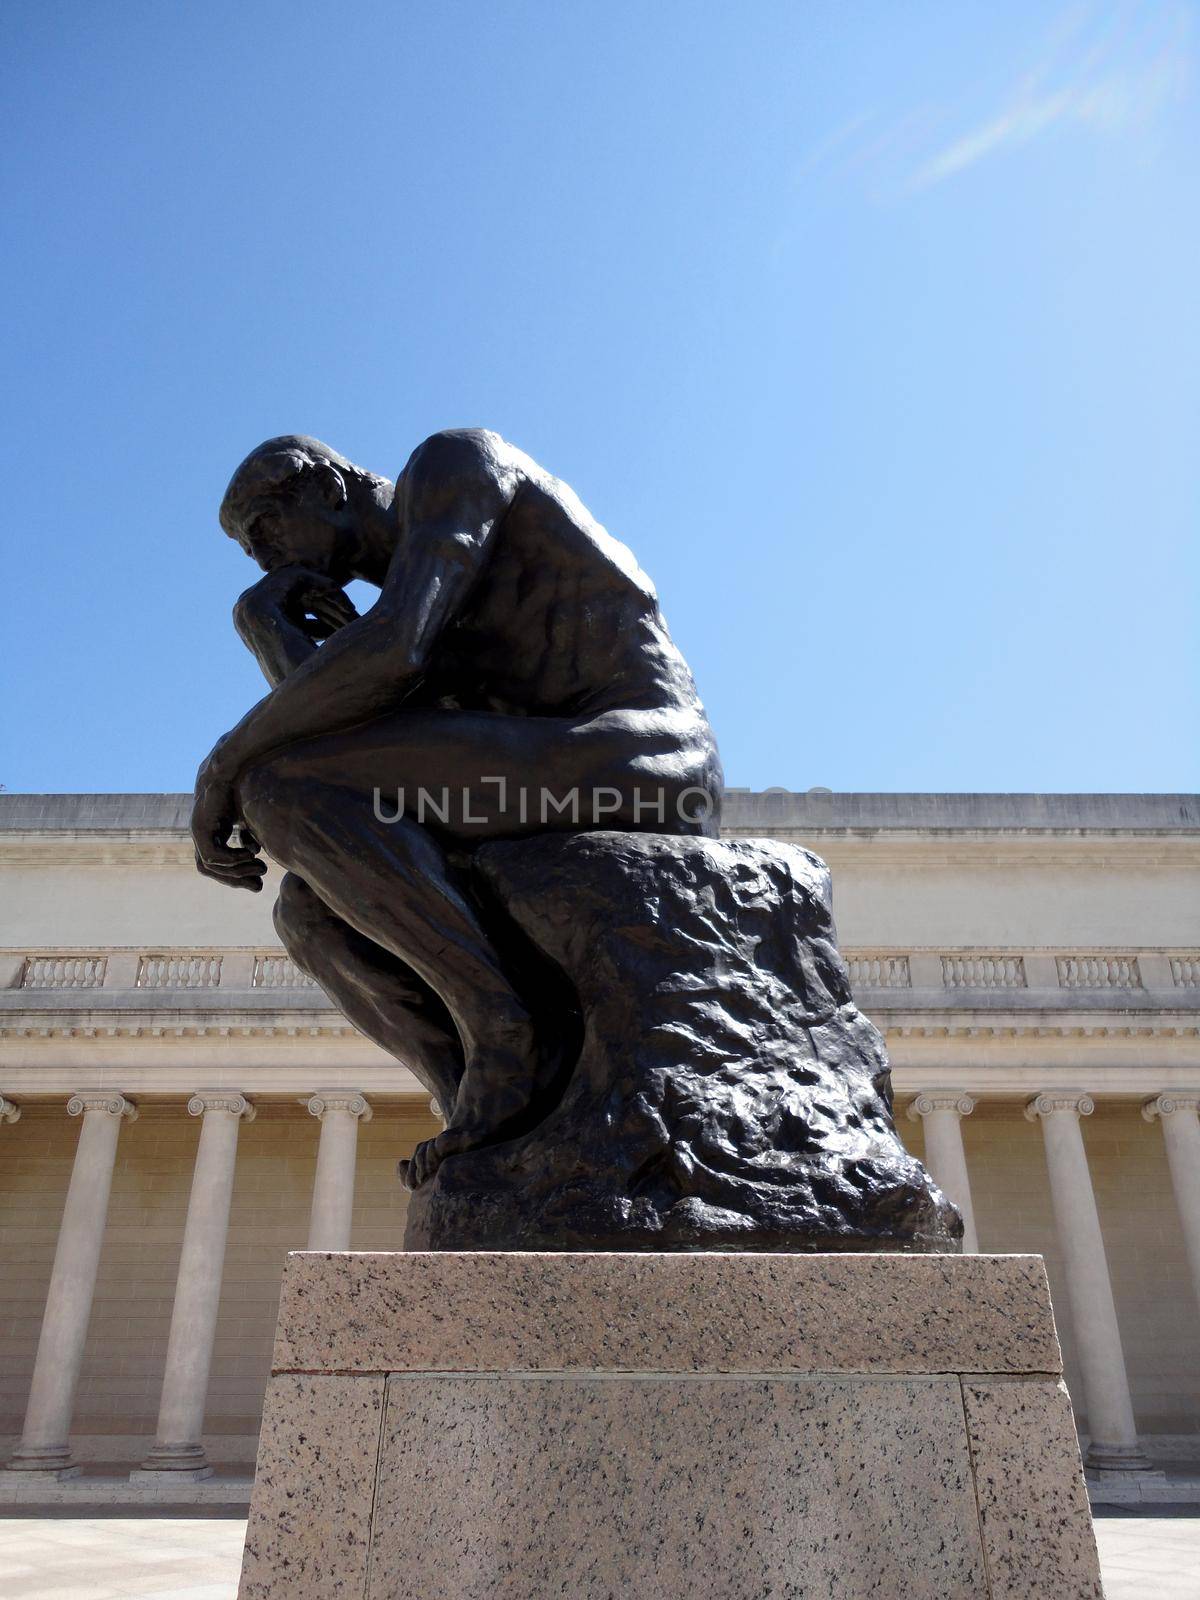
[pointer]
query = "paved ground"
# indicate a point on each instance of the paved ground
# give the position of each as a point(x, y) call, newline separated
point(196, 1557)
point(55, 1557)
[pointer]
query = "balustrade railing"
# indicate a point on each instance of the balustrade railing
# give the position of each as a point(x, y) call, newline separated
point(983, 972)
point(175, 970)
point(878, 971)
point(1098, 972)
point(182, 969)
point(63, 972)
point(279, 972)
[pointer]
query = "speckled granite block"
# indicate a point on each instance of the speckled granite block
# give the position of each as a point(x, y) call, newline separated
point(1033, 1507)
point(667, 1488)
point(310, 1514)
point(731, 1427)
point(484, 1312)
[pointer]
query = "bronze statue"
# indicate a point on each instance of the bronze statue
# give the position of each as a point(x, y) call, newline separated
point(496, 796)
point(516, 656)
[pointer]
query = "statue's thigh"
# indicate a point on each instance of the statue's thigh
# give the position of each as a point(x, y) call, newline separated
point(478, 775)
point(474, 774)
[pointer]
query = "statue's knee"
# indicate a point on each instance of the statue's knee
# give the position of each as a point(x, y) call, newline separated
point(295, 913)
point(254, 790)
point(268, 803)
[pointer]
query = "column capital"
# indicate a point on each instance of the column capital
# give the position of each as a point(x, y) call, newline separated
point(220, 1100)
point(941, 1100)
point(339, 1100)
point(1075, 1101)
point(116, 1105)
point(1171, 1101)
point(9, 1110)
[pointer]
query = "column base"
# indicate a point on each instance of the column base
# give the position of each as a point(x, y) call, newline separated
point(1125, 1458)
point(172, 1463)
point(156, 1478)
point(50, 1462)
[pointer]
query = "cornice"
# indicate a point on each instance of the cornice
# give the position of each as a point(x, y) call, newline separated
point(139, 1028)
point(1066, 1029)
point(845, 847)
point(939, 1023)
point(848, 847)
point(816, 807)
point(118, 849)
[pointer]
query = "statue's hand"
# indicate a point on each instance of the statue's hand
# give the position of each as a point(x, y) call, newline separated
point(214, 817)
point(293, 595)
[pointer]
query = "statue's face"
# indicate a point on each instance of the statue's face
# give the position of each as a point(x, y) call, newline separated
point(297, 526)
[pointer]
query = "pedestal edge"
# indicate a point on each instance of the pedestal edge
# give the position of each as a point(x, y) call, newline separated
point(619, 1312)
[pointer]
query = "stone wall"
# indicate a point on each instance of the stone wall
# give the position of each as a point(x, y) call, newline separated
point(122, 1374)
point(1007, 945)
point(123, 1368)
point(1145, 1247)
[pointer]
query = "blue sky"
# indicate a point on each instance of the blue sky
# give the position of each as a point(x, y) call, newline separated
point(872, 328)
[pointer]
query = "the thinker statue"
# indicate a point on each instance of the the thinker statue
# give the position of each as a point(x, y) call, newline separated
point(496, 797)
point(515, 676)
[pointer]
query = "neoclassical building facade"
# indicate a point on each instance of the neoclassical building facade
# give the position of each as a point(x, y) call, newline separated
point(179, 1107)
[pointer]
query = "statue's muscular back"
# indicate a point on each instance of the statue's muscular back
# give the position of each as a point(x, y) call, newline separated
point(561, 620)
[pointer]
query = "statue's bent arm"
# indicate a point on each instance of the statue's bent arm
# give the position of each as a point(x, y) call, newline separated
point(454, 490)
point(281, 617)
point(276, 643)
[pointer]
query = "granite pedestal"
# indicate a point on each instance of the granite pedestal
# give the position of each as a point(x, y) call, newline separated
point(504, 1426)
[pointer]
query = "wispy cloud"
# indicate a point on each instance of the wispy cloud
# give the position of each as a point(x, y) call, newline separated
point(1101, 69)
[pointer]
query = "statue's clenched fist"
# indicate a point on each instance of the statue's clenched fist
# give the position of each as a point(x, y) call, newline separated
point(284, 616)
point(307, 600)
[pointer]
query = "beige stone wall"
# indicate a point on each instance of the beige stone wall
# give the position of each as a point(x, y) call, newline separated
point(276, 1157)
point(1155, 1306)
point(915, 878)
point(1004, 902)
point(127, 1339)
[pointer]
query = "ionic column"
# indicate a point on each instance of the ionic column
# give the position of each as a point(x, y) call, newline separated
point(337, 1150)
point(45, 1441)
point(9, 1112)
point(177, 1454)
point(942, 1110)
point(1179, 1113)
point(1114, 1442)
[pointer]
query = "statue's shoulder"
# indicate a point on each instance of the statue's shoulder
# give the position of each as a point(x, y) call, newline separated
point(454, 449)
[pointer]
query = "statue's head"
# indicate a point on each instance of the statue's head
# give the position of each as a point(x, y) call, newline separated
point(294, 501)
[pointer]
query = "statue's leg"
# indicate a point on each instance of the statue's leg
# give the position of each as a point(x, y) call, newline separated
point(314, 807)
point(380, 994)
point(390, 882)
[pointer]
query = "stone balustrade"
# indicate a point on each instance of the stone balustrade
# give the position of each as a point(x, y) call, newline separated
point(955, 971)
point(1098, 972)
point(273, 971)
point(63, 972)
point(871, 971)
point(975, 971)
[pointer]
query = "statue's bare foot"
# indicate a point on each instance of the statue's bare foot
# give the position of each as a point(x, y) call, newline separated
point(420, 1166)
point(430, 1153)
point(503, 1079)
